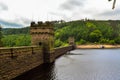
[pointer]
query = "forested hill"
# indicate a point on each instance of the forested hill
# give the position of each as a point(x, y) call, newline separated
point(10, 31)
point(25, 30)
point(84, 32)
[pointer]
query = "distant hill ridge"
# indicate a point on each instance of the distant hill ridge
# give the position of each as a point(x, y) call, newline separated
point(10, 31)
point(115, 24)
point(84, 32)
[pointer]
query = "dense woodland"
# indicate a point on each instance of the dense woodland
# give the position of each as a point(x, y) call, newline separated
point(84, 32)
point(1, 36)
point(16, 37)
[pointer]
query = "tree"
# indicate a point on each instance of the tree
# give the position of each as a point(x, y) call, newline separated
point(1, 37)
point(16, 40)
point(91, 26)
point(95, 36)
point(58, 43)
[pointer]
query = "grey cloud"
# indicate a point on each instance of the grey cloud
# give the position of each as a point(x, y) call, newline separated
point(63, 16)
point(9, 24)
point(75, 2)
point(106, 15)
point(71, 4)
point(56, 14)
point(16, 23)
point(110, 13)
point(23, 20)
point(3, 6)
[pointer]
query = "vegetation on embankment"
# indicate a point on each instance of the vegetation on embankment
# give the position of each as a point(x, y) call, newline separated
point(84, 32)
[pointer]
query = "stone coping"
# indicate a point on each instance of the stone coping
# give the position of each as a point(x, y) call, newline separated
point(18, 47)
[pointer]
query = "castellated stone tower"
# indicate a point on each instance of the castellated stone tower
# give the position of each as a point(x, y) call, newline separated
point(41, 32)
point(43, 35)
point(72, 42)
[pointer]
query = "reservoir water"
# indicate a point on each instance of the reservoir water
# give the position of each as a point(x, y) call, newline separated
point(80, 64)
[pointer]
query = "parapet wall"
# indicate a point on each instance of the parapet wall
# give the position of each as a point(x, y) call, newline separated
point(62, 50)
point(14, 61)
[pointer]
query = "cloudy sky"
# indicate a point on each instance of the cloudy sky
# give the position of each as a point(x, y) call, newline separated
point(19, 13)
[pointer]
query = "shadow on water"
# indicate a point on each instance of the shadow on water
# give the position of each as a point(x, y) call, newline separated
point(42, 72)
point(88, 65)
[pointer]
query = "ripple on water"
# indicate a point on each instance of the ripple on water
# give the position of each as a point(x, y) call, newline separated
point(94, 64)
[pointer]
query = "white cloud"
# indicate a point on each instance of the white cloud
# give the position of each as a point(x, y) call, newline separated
point(24, 11)
point(3, 6)
point(72, 4)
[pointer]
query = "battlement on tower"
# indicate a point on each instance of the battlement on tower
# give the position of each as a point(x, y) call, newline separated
point(41, 24)
point(42, 28)
point(41, 32)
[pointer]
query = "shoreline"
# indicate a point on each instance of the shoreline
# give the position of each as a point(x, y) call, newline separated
point(97, 46)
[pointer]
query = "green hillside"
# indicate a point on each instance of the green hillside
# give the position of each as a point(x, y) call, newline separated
point(84, 32)
point(87, 32)
point(11, 31)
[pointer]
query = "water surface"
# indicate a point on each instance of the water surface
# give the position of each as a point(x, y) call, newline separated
point(81, 64)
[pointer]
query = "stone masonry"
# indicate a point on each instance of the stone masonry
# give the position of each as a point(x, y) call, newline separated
point(15, 61)
point(43, 35)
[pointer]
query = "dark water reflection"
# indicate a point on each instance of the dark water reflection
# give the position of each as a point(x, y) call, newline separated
point(42, 72)
point(91, 64)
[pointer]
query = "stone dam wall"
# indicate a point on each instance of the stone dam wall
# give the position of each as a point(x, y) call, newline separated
point(15, 61)
point(62, 50)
